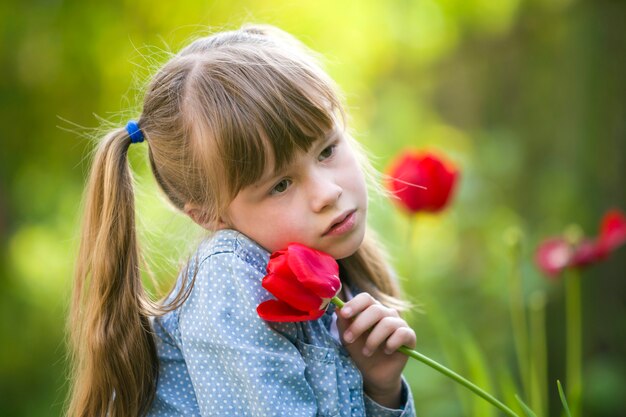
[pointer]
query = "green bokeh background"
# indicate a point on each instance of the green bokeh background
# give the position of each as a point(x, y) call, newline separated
point(527, 97)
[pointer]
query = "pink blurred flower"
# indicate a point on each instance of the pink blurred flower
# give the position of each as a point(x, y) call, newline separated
point(556, 254)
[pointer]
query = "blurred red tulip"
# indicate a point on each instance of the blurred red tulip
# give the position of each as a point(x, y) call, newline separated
point(303, 280)
point(556, 253)
point(413, 170)
point(612, 232)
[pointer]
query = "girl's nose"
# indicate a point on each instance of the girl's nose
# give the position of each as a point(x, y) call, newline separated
point(324, 193)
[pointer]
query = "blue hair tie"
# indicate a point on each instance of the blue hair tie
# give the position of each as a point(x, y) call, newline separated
point(136, 136)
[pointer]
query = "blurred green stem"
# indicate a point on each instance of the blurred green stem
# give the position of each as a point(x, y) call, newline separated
point(450, 347)
point(574, 340)
point(539, 358)
point(563, 399)
point(447, 372)
point(518, 311)
point(410, 243)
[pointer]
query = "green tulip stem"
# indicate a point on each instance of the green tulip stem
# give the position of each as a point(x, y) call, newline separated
point(574, 340)
point(337, 301)
point(519, 321)
point(445, 371)
point(539, 356)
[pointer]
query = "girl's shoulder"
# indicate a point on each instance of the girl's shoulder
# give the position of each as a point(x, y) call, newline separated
point(226, 289)
point(227, 242)
point(223, 263)
point(226, 256)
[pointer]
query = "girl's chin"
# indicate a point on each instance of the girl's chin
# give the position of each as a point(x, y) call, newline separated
point(343, 255)
point(344, 249)
point(338, 249)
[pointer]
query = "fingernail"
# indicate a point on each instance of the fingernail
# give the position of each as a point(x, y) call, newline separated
point(347, 311)
point(366, 352)
point(347, 336)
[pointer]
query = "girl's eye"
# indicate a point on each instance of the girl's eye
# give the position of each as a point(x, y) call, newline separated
point(281, 187)
point(327, 152)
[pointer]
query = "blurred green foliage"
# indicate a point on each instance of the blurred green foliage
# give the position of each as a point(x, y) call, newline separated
point(528, 97)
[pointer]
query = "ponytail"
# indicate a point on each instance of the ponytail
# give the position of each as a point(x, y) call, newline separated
point(115, 363)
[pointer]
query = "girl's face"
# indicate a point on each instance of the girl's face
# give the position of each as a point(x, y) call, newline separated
point(319, 200)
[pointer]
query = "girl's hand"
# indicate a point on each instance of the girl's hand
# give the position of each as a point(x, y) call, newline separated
point(371, 333)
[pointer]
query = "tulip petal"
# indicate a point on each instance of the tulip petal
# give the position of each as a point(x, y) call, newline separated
point(447, 178)
point(315, 270)
point(286, 287)
point(553, 255)
point(612, 231)
point(274, 310)
point(406, 176)
point(585, 253)
point(435, 197)
point(278, 263)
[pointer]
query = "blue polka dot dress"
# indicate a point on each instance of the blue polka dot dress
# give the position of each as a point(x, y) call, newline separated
point(218, 358)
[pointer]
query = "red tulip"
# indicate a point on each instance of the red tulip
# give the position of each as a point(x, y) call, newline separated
point(556, 253)
point(612, 232)
point(413, 170)
point(303, 280)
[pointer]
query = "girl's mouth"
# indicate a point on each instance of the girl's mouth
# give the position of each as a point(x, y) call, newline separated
point(343, 224)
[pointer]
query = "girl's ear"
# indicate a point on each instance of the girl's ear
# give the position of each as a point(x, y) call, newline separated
point(201, 217)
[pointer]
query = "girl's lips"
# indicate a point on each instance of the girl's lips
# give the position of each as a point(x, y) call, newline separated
point(343, 226)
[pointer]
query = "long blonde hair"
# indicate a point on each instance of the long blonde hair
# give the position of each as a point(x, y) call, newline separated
point(212, 116)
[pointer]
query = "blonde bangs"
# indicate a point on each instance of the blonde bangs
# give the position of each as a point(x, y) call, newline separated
point(248, 118)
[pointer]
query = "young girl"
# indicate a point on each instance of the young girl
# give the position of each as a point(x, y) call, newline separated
point(246, 135)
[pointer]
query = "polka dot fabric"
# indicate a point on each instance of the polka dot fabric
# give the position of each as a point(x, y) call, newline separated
point(218, 358)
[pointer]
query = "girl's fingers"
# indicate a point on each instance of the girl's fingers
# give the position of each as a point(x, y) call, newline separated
point(367, 320)
point(385, 328)
point(357, 305)
point(402, 336)
point(363, 322)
